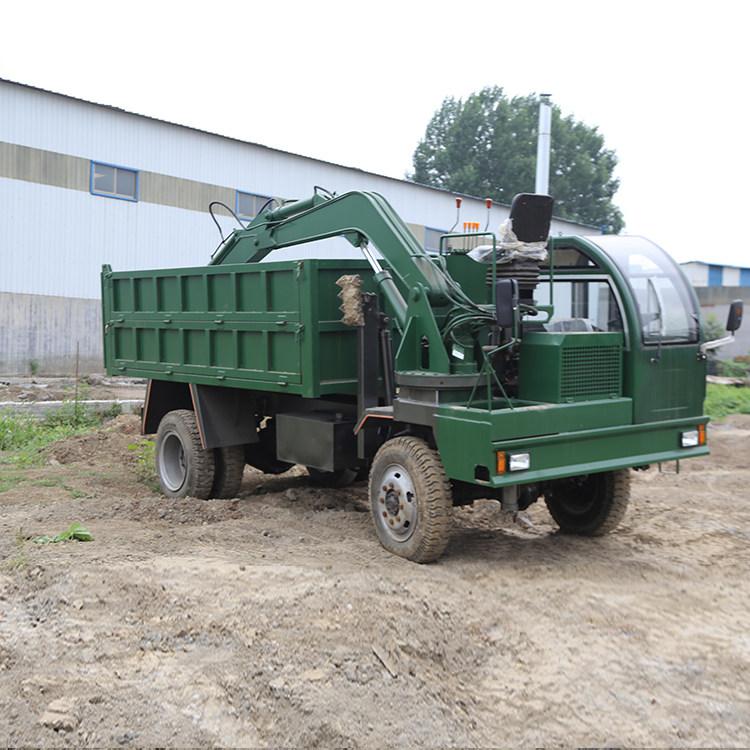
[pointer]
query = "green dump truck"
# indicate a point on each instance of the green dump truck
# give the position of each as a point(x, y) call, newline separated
point(511, 367)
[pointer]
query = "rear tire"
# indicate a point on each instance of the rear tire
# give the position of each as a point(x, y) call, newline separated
point(590, 505)
point(230, 466)
point(411, 500)
point(183, 466)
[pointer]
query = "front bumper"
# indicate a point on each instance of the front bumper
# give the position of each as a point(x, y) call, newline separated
point(567, 454)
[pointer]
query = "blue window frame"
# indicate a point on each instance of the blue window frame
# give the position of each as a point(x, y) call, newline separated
point(114, 181)
point(247, 205)
point(715, 275)
point(744, 276)
point(432, 239)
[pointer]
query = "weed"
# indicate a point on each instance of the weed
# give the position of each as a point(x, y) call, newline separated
point(16, 431)
point(46, 483)
point(22, 437)
point(112, 411)
point(9, 481)
point(144, 452)
point(33, 367)
point(72, 414)
point(74, 493)
point(20, 560)
point(74, 532)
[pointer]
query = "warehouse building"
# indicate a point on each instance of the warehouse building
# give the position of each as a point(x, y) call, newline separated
point(702, 274)
point(716, 286)
point(82, 184)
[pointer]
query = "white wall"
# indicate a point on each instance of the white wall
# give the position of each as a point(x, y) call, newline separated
point(54, 241)
point(731, 276)
point(56, 123)
point(696, 272)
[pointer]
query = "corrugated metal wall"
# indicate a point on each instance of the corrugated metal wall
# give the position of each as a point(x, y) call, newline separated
point(54, 241)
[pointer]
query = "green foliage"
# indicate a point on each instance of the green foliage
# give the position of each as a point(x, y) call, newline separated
point(111, 411)
point(735, 369)
point(722, 400)
point(144, 452)
point(33, 367)
point(74, 532)
point(486, 146)
point(72, 414)
point(22, 437)
point(712, 329)
point(16, 431)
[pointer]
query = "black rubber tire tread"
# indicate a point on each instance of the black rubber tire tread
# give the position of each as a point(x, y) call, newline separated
point(200, 474)
point(230, 466)
point(339, 478)
point(434, 498)
point(612, 495)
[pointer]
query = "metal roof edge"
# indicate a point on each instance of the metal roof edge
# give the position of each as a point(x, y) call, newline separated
point(714, 263)
point(269, 148)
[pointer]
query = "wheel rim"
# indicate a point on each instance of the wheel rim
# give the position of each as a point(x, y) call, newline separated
point(396, 503)
point(172, 464)
point(580, 496)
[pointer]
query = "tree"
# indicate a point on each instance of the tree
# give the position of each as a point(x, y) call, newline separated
point(486, 146)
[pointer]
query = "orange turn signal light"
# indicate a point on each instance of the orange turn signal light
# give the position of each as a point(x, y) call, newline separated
point(701, 434)
point(501, 463)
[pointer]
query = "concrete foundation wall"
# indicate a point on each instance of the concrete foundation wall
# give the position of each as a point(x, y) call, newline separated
point(45, 330)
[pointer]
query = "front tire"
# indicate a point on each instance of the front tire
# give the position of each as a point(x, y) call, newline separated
point(183, 466)
point(411, 500)
point(590, 505)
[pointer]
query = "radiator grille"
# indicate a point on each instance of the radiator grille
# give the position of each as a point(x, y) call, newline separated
point(591, 371)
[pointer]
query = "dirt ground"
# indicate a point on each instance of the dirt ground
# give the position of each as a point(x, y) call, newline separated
point(93, 387)
point(276, 619)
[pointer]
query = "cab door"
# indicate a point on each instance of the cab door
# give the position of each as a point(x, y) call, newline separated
point(665, 370)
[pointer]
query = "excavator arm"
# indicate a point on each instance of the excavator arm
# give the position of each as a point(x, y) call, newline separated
point(366, 220)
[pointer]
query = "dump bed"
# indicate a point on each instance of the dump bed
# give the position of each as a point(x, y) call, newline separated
point(264, 326)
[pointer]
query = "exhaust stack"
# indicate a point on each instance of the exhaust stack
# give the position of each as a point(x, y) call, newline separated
point(543, 145)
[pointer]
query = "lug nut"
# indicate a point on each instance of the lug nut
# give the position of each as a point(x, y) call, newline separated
point(385, 515)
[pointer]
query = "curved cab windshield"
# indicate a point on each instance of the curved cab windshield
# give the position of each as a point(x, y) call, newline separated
point(665, 305)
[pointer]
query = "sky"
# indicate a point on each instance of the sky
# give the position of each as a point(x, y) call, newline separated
point(356, 83)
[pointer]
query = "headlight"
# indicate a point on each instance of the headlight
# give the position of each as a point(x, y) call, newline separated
point(519, 461)
point(693, 438)
point(689, 439)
